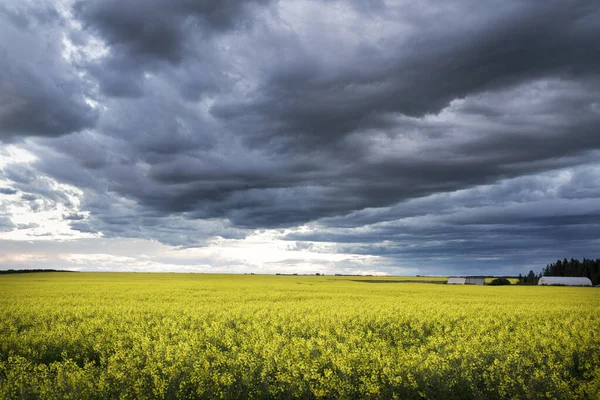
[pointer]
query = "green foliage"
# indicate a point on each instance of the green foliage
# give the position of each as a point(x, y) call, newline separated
point(175, 336)
point(499, 282)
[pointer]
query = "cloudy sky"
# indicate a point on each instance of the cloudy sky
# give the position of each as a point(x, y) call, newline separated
point(357, 136)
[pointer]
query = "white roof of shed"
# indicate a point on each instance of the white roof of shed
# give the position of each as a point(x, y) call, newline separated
point(565, 280)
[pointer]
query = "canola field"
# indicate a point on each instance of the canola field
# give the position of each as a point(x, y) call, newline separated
point(185, 336)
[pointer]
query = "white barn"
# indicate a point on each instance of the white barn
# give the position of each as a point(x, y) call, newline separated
point(475, 281)
point(465, 281)
point(564, 281)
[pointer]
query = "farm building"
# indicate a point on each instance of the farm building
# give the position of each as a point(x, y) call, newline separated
point(564, 281)
point(475, 281)
point(466, 281)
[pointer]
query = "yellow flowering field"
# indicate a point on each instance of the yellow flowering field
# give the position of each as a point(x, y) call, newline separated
point(188, 336)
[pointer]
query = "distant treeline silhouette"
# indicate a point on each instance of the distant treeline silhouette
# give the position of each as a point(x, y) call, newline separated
point(28, 271)
point(588, 268)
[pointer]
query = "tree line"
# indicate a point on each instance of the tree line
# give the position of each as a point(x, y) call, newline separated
point(588, 268)
point(29, 271)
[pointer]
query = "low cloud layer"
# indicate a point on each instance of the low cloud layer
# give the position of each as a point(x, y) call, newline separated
point(423, 135)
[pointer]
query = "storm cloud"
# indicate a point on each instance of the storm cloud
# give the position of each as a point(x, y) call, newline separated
point(415, 132)
point(40, 93)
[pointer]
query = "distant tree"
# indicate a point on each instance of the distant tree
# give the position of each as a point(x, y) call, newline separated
point(530, 279)
point(558, 269)
point(500, 282)
point(547, 270)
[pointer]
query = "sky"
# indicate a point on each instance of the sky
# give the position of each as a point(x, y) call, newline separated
point(357, 136)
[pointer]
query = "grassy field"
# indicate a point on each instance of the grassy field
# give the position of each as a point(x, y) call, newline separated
point(136, 336)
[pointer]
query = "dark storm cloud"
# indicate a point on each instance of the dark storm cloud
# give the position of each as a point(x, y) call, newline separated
point(7, 191)
point(40, 93)
point(74, 217)
point(115, 217)
point(515, 223)
point(422, 73)
point(151, 36)
point(160, 28)
point(386, 123)
point(312, 126)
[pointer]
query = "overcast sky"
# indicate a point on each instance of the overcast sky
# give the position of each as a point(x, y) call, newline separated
point(358, 136)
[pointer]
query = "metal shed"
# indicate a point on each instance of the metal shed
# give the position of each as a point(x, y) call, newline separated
point(564, 281)
point(461, 280)
point(475, 281)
